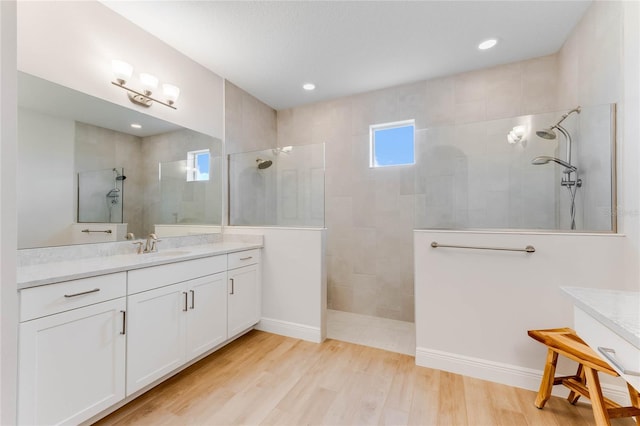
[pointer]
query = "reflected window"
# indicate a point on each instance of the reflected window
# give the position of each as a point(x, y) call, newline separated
point(392, 144)
point(198, 165)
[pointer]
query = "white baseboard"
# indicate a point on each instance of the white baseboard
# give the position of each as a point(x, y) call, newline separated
point(290, 329)
point(497, 372)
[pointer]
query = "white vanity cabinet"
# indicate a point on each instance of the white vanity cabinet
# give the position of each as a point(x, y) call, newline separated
point(244, 294)
point(87, 344)
point(172, 323)
point(71, 350)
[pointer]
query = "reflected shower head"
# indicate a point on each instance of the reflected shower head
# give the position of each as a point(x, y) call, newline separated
point(119, 176)
point(263, 164)
point(547, 133)
point(546, 159)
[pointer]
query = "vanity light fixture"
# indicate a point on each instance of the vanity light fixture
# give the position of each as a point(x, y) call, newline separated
point(488, 44)
point(123, 72)
point(516, 135)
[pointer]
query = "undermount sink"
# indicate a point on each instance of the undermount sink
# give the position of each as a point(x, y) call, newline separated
point(169, 253)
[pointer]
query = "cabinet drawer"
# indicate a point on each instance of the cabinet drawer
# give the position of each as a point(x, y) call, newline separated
point(159, 276)
point(46, 300)
point(597, 335)
point(243, 258)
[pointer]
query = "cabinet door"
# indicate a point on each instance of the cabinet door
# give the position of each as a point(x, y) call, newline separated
point(156, 334)
point(243, 299)
point(207, 317)
point(72, 364)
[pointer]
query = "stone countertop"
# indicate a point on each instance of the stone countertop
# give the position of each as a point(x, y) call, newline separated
point(54, 272)
point(618, 310)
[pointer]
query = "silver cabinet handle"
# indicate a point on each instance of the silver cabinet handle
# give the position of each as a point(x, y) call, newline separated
point(82, 292)
point(186, 302)
point(610, 355)
point(193, 299)
point(124, 322)
point(232, 286)
point(246, 258)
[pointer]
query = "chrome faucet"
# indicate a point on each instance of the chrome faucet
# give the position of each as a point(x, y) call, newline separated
point(151, 246)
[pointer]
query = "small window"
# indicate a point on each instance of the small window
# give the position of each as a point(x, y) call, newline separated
point(392, 144)
point(198, 165)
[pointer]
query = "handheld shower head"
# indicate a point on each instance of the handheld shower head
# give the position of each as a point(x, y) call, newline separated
point(546, 159)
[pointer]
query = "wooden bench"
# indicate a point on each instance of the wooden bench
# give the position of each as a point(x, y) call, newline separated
point(565, 341)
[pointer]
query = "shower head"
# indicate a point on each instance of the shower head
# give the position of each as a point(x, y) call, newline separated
point(263, 164)
point(119, 176)
point(547, 133)
point(545, 159)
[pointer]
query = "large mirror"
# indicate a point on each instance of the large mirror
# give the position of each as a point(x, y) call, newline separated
point(93, 171)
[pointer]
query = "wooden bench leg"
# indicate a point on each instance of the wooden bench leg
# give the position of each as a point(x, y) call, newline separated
point(547, 379)
point(634, 396)
point(574, 396)
point(597, 399)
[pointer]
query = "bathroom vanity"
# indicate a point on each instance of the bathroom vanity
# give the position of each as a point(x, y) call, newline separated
point(97, 332)
point(609, 321)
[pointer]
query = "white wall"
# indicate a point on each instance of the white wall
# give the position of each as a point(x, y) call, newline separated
point(474, 307)
point(629, 151)
point(73, 43)
point(8, 237)
point(294, 287)
point(46, 200)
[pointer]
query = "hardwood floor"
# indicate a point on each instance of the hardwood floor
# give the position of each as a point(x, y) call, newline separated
point(268, 379)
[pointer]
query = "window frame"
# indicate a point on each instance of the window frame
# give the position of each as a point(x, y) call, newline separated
point(373, 128)
point(192, 165)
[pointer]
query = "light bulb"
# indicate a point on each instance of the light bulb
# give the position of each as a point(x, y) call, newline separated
point(171, 93)
point(149, 83)
point(121, 70)
point(487, 44)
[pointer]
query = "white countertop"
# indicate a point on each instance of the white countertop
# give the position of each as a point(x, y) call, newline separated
point(53, 272)
point(618, 310)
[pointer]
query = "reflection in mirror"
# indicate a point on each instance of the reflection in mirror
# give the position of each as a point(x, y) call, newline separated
point(74, 151)
point(100, 194)
point(187, 194)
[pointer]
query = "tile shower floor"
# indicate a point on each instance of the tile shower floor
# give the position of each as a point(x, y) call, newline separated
point(381, 333)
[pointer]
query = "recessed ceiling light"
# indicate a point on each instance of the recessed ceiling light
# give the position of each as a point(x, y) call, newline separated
point(136, 126)
point(487, 44)
point(308, 86)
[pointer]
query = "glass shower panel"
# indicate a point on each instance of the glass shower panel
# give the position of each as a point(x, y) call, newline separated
point(476, 176)
point(277, 187)
point(100, 196)
point(187, 201)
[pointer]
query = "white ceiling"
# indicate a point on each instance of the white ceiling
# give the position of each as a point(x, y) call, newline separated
point(271, 48)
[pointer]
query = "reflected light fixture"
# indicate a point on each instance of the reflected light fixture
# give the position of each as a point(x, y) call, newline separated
point(516, 135)
point(488, 44)
point(309, 86)
point(123, 72)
